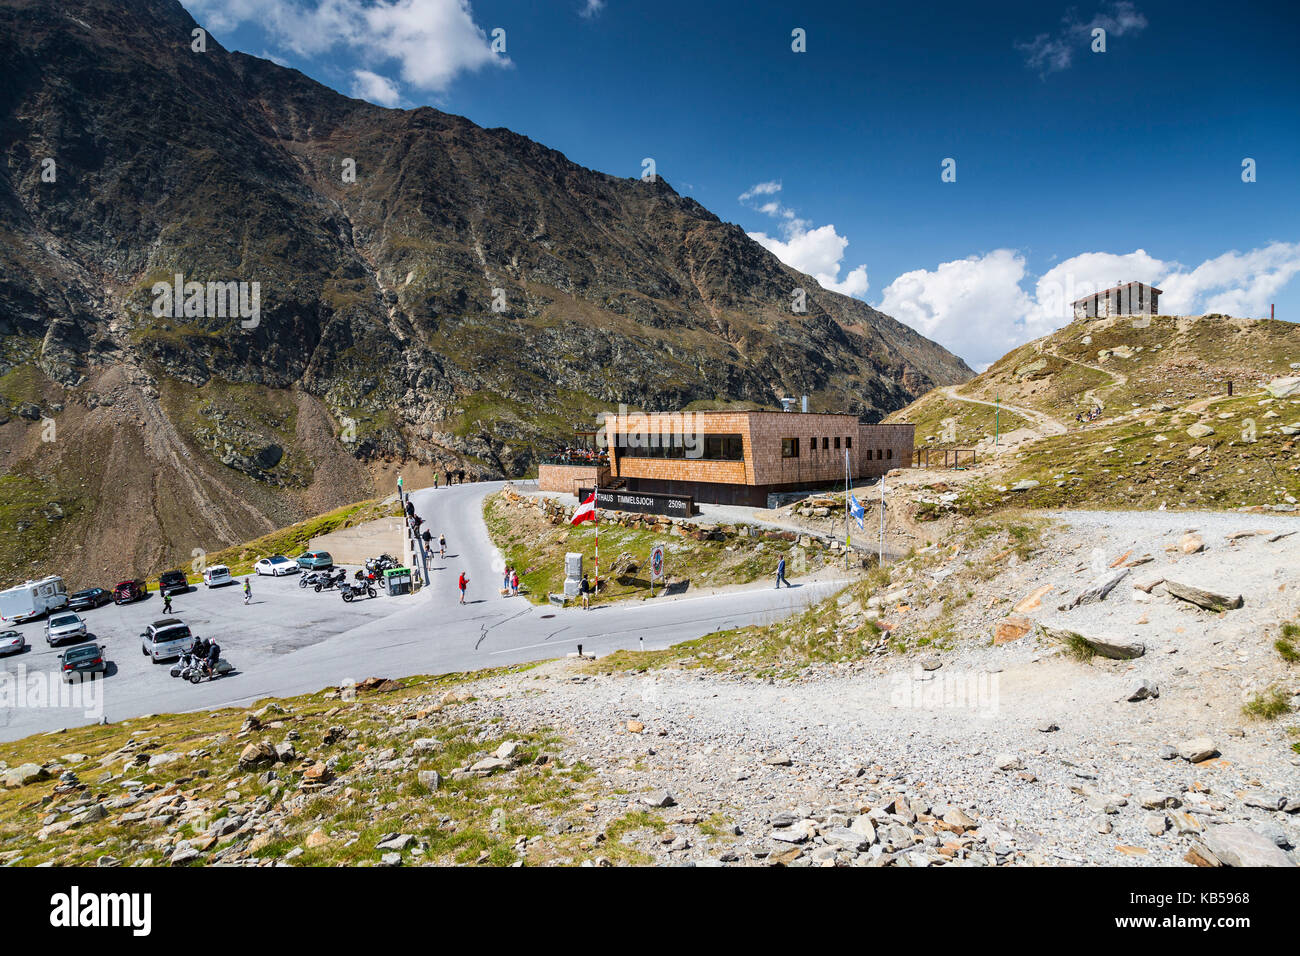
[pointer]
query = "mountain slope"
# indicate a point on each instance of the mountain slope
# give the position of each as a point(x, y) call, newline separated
point(462, 302)
point(1167, 433)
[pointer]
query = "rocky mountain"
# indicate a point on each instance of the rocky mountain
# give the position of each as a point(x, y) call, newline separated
point(416, 291)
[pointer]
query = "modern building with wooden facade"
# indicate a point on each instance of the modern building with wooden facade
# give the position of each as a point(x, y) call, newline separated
point(742, 457)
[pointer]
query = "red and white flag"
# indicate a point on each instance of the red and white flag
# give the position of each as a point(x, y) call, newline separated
point(586, 511)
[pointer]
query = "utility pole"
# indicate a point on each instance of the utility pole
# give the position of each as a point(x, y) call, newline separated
point(997, 417)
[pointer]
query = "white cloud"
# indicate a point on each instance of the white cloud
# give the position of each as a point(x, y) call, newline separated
point(1053, 52)
point(375, 88)
point(1234, 283)
point(817, 251)
point(592, 8)
point(974, 306)
point(978, 306)
point(432, 41)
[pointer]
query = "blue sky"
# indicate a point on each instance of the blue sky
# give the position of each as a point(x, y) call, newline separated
point(1074, 168)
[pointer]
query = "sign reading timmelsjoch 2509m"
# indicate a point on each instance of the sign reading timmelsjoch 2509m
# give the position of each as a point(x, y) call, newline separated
point(642, 502)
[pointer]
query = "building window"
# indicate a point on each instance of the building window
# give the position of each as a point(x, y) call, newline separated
point(837, 443)
point(848, 442)
point(889, 453)
point(657, 445)
point(789, 448)
point(870, 456)
point(826, 444)
point(812, 443)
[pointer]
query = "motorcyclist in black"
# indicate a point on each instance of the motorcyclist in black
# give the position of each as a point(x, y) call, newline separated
point(214, 655)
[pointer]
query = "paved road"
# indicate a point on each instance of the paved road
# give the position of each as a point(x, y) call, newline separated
point(292, 641)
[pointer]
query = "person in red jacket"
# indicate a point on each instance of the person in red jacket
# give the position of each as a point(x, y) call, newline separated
point(462, 584)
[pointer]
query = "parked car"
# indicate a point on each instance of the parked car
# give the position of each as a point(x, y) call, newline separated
point(78, 661)
point(275, 565)
point(315, 561)
point(172, 582)
point(217, 575)
point(64, 626)
point(12, 642)
point(89, 599)
point(124, 592)
point(166, 639)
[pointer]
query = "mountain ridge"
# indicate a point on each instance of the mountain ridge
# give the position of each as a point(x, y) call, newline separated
point(377, 317)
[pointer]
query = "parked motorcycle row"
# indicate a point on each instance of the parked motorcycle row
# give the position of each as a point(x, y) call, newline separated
point(367, 579)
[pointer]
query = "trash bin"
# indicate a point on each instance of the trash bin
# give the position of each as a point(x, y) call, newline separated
point(398, 581)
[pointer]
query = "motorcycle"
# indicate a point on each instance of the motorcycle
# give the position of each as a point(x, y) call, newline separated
point(351, 592)
point(196, 669)
point(329, 579)
point(370, 578)
point(202, 670)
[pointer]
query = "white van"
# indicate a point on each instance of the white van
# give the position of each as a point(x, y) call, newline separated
point(33, 599)
point(165, 640)
point(216, 576)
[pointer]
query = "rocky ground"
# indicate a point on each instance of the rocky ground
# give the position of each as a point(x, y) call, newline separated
point(1079, 713)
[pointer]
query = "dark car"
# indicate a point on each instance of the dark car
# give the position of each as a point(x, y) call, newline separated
point(88, 599)
point(124, 592)
point(86, 659)
point(172, 582)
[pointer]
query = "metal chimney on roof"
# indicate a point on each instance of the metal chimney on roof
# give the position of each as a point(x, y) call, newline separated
point(804, 405)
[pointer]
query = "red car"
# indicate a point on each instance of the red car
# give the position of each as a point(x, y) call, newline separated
point(124, 592)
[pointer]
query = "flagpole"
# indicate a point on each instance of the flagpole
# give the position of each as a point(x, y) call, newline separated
point(848, 533)
point(881, 559)
point(595, 500)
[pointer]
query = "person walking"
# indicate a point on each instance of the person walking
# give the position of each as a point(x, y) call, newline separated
point(167, 603)
point(780, 573)
point(435, 481)
point(505, 582)
point(514, 582)
point(585, 589)
point(248, 590)
point(463, 583)
point(442, 545)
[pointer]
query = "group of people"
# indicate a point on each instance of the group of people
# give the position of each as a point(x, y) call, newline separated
point(510, 582)
point(207, 652)
point(1091, 415)
point(580, 456)
point(450, 477)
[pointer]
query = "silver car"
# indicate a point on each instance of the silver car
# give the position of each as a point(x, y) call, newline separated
point(12, 642)
point(165, 640)
point(64, 626)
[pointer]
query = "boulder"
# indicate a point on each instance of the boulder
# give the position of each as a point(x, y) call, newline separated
point(1235, 845)
point(1286, 387)
point(1203, 595)
point(24, 774)
point(1197, 749)
point(1143, 689)
point(1101, 585)
point(1199, 430)
point(1012, 628)
point(1110, 646)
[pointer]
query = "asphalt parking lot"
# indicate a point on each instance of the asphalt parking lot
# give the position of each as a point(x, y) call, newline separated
point(280, 618)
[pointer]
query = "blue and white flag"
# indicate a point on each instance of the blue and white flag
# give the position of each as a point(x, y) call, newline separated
point(856, 511)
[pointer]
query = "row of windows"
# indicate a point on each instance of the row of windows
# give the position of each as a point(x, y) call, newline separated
point(790, 446)
point(693, 447)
